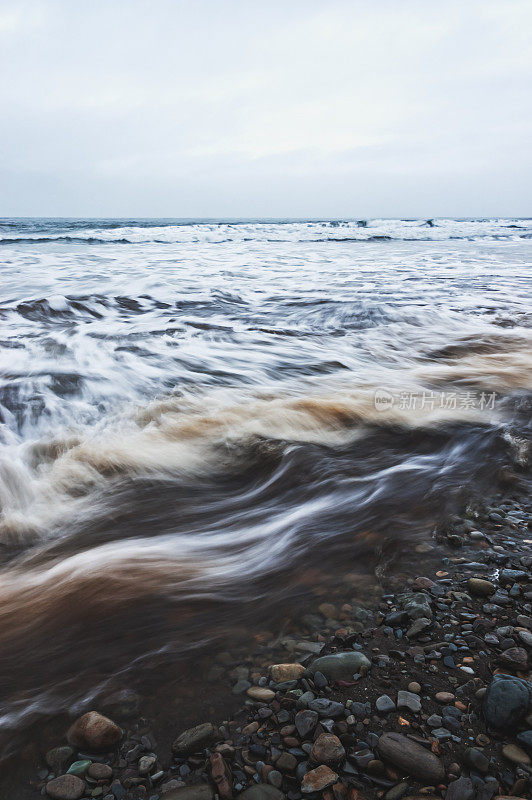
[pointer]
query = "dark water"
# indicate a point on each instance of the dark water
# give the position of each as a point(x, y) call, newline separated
point(195, 413)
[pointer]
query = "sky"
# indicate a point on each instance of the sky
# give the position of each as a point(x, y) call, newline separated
point(260, 108)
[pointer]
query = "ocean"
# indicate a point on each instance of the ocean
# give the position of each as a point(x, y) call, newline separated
point(201, 419)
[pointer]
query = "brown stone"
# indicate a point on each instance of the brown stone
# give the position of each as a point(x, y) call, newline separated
point(260, 693)
point(100, 772)
point(286, 672)
point(318, 779)
point(65, 787)
point(327, 749)
point(94, 732)
point(411, 757)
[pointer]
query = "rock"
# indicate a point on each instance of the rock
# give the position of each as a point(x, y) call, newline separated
point(261, 791)
point(79, 767)
point(221, 775)
point(444, 697)
point(418, 626)
point(525, 739)
point(416, 605)
point(57, 757)
point(286, 672)
point(526, 638)
point(460, 789)
point(318, 779)
point(514, 754)
point(411, 757)
point(146, 764)
point(480, 587)
point(327, 749)
point(195, 739)
point(515, 657)
point(338, 666)
point(200, 791)
point(94, 732)
point(384, 704)
point(100, 772)
point(65, 787)
point(260, 693)
point(327, 708)
point(476, 759)
point(408, 700)
point(507, 701)
point(286, 762)
point(305, 722)
point(414, 687)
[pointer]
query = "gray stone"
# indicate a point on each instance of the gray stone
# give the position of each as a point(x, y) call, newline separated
point(384, 704)
point(305, 722)
point(338, 666)
point(409, 700)
point(507, 701)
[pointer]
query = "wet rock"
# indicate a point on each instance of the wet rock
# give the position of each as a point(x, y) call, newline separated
point(525, 740)
point(411, 757)
point(260, 693)
point(261, 791)
point(100, 772)
point(480, 587)
point(195, 739)
point(515, 657)
point(58, 757)
point(221, 776)
point(507, 701)
point(318, 779)
point(476, 759)
point(327, 749)
point(305, 722)
point(286, 672)
point(146, 764)
point(79, 767)
point(326, 708)
point(341, 666)
point(416, 605)
point(514, 753)
point(201, 791)
point(65, 787)
point(94, 732)
point(460, 789)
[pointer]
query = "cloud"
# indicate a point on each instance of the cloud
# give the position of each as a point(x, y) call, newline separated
point(187, 108)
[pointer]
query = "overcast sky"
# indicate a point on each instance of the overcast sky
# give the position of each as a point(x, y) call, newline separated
point(265, 108)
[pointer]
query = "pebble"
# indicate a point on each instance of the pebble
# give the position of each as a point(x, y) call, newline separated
point(194, 739)
point(341, 666)
point(411, 757)
point(514, 753)
point(444, 697)
point(286, 672)
point(408, 700)
point(65, 787)
point(318, 779)
point(94, 732)
point(480, 587)
point(260, 693)
point(327, 749)
point(384, 704)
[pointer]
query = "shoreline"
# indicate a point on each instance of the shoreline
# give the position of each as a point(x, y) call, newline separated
point(426, 646)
